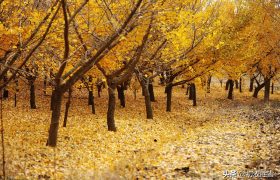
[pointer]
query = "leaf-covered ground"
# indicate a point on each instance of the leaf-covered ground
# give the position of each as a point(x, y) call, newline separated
point(190, 142)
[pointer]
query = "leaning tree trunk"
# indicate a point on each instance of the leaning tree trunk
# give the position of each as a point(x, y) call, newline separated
point(272, 88)
point(193, 92)
point(67, 107)
point(151, 92)
point(251, 85)
point(230, 89)
point(266, 89)
point(111, 109)
point(257, 89)
point(32, 95)
point(168, 97)
point(56, 110)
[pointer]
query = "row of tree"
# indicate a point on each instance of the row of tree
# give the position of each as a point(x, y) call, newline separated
point(62, 42)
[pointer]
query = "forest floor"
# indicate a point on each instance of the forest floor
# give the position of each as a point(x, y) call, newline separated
point(204, 142)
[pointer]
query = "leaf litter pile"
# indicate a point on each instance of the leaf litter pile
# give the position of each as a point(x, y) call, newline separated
point(189, 142)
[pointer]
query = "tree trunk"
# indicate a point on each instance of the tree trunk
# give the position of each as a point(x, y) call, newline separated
point(5, 94)
point(111, 109)
point(99, 89)
point(227, 84)
point(52, 101)
point(193, 91)
point(67, 107)
point(151, 92)
point(53, 131)
point(240, 85)
point(188, 89)
point(190, 92)
point(266, 89)
point(16, 91)
point(168, 97)
point(209, 84)
point(90, 97)
point(221, 82)
point(148, 104)
point(272, 88)
point(93, 106)
point(230, 89)
point(236, 84)
point(121, 95)
point(32, 95)
point(251, 85)
point(134, 93)
point(257, 89)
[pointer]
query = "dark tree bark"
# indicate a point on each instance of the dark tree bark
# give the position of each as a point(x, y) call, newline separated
point(227, 84)
point(99, 89)
point(143, 94)
point(90, 97)
point(209, 84)
point(5, 94)
point(134, 93)
point(168, 89)
point(121, 95)
point(272, 88)
point(52, 101)
point(16, 91)
point(266, 89)
point(190, 92)
point(230, 89)
point(221, 82)
point(93, 106)
point(67, 107)
point(151, 92)
point(193, 91)
point(251, 85)
point(257, 89)
point(145, 91)
point(148, 104)
point(240, 85)
point(53, 131)
point(5, 91)
point(188, 89)
point(111, 109)
point(236, 84)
